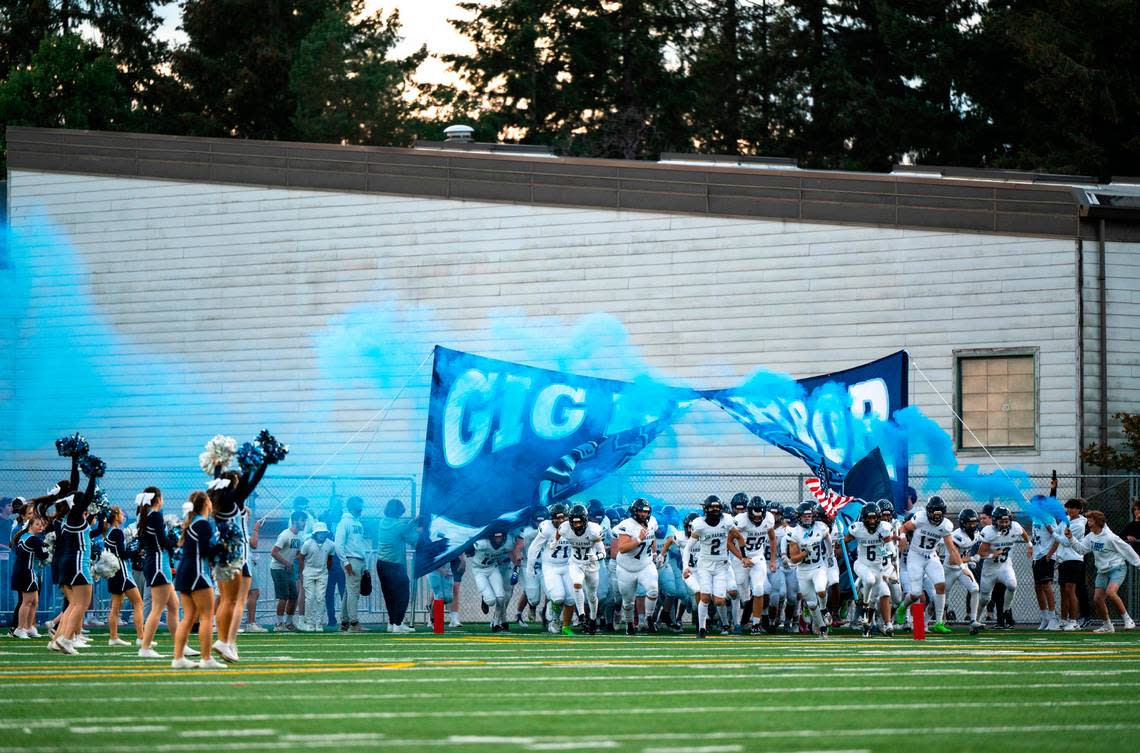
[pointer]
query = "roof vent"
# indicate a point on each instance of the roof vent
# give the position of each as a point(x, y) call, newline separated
point(459, 134)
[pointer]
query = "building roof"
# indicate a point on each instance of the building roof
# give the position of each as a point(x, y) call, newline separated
point(925, 198)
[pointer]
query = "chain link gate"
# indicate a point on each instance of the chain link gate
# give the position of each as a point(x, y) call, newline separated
point(325, 496)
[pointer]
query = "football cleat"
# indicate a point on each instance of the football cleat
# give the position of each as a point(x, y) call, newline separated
point(701, 633)
point(940, 627)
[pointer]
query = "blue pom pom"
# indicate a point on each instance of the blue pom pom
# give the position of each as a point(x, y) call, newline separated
point(274, 451)
point(249, 456)
point(72, 446)
point(92, 466)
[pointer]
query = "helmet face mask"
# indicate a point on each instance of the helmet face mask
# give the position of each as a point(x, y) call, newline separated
point(886, 509)
point(935, 510)
point(497, 539)
point(640, 511)
point(968, 520)
point(739, 503)
point(788, 514)
point(1003, 519)
point(689, 522)
point(870, 517)
point(557, 514)
point(756, 510)
point(578, 517)
point(806, 514)
point(713, 510)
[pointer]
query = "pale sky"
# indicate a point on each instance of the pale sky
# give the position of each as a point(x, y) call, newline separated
point(424, 22)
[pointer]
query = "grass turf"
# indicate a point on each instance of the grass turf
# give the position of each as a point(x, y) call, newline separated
point(530, 691)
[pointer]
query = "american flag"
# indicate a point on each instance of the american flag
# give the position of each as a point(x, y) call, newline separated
point(820, 488)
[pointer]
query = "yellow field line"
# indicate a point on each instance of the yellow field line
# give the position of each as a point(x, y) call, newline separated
point(222, 673)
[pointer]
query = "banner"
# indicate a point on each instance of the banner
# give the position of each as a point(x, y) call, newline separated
point(503, 438)
point(832, 419)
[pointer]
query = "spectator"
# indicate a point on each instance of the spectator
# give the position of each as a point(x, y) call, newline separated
point(1111, 556)
point(284, 555)
point(1131, 532)
point(301, 504)
point(331, 519)
point(316, 562)
point(392, 542)
point(1071, 565)
point(351, 548)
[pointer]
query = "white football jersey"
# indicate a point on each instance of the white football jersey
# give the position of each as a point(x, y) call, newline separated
point(870, 542)
point(586, 548)
point(711, 543)
point(639, 558)
point(755, 534)
point(488, 556)
point(926, 535)
point(1042, 541)
point(815, 541)
point(1000, 543)
point(555, 552)
point(967, 544)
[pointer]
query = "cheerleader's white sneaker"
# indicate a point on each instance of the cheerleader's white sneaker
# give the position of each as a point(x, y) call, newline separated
point(117, 642)
point(225, 651)
point(149, 653)
point(66, 647)
point(211, 663)
point(183, 663)
point(191, 652)
point(1129, 623)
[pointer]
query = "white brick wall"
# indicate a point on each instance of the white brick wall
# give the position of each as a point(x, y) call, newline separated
point(226, 287)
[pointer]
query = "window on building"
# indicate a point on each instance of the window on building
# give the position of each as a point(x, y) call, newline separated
point(997, 399)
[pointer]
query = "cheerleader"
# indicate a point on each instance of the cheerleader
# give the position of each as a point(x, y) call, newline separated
point(24, 513)
point(121, 584)
point(75, 576)
point(199, 543)
point(157, 549)
point(30, 553)
point(228, 494)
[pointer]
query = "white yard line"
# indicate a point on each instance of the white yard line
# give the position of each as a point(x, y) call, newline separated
point(562, 712)
point(734, 690)
point(585, 741)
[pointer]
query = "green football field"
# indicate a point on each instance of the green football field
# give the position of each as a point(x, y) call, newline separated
point(471, 691)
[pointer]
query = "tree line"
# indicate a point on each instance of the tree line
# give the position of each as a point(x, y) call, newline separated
point(1049, 85)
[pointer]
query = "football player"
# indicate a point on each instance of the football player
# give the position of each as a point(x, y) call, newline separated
point(587, 550)
point(555, 557)
point(998, 540)
point(808, 545)
point(490, 561)
point(870, 534)
point(757, 528)
point(926, 529)
point(636, 545)
point(965, 537)
point(713, 537)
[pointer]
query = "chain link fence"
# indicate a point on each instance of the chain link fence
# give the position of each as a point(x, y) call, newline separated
point(277, 496)
point(324, 496)
point(685, 491)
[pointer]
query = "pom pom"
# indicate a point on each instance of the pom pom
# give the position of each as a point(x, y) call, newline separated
point(92, 466)
point(49, 546)
point(249, 456)
point(100, 505)
point(219, 452)
point(274, 451)
point(72, 446)
point(230, 554)
point(173, 531)
point(106, 565)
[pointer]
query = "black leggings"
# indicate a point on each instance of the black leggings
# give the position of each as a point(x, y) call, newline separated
point(394, 584)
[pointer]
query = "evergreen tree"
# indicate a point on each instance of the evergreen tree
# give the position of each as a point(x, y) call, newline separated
point(347, 90)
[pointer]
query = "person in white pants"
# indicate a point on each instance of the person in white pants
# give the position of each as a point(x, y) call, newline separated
point(927, 528)
point(316, 559)
point(808, 545)
point(998, 539)
point(490, 561)
point(587, 550)
point(966, 538)
point(714, 537)
point(554, 556)
point(636, 545)
point(870, 534)
point(757, 527)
